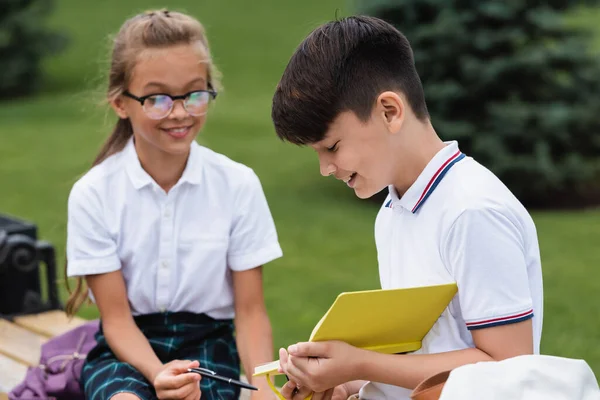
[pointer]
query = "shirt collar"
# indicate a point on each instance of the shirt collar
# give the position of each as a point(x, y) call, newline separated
point(193, 169)
point(428, 180)
point(140, 178)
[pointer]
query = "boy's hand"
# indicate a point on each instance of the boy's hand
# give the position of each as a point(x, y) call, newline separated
point(290, 392)
point(319, 366)
point(340, 392)
point(175, 382)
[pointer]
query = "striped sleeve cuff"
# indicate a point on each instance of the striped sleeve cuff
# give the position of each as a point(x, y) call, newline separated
point(509, 319)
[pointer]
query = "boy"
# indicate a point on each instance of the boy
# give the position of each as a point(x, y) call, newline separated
point(352, 93)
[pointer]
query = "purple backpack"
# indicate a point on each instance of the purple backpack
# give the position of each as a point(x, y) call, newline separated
point(57, 375)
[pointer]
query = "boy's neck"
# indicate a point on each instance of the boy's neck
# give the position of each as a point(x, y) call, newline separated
point(164, 168)
point(425, 145)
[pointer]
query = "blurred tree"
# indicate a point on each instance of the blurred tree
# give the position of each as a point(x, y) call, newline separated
point(24, 41)
point(515, 84)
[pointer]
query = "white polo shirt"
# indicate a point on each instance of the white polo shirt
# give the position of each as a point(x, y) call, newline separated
point(459, 223)
point(176, 250)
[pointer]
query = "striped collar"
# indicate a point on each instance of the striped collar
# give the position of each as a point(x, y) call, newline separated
point(428, 180)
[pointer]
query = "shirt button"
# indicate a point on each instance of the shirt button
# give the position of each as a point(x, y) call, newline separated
point(162, 309)
point(167, 213)
point(165, 264)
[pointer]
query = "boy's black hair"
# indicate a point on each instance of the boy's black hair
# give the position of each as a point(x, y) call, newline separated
point(343, 66)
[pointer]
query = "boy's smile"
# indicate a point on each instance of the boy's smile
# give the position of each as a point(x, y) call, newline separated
point(358, 153)
point(350, 179)
point(370, 155)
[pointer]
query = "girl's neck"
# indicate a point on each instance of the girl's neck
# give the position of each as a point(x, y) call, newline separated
point(164, 168)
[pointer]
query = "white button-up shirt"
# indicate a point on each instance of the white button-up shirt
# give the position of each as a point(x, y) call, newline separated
point(459, 223)
point(176, 250)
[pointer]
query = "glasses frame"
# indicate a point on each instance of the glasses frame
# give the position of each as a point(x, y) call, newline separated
point(212, 93)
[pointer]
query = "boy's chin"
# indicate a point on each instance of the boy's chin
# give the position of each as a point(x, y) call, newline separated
point(367, 191)
point(364, 193)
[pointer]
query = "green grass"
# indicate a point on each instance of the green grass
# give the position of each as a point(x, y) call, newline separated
point(570, 259)
point(326, 234)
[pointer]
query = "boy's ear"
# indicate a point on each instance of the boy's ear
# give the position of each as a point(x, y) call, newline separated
point(118, 106)
point(392, 109)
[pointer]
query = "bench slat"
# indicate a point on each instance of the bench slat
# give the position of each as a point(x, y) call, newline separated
point(50, 323)
point(12, 373)
point(20, 344)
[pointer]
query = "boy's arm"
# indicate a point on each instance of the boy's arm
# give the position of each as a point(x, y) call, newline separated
point(323, 365)
point(485, 252)
point(492, 344)
point(253, 329)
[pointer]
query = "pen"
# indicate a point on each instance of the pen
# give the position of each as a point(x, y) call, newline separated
point(213, 375)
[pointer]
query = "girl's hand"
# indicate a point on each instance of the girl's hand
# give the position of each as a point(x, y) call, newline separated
point(174, 382)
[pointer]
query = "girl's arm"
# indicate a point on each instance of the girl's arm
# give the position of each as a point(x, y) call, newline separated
point(128, 342)
point(122, 334)
point(253, 329)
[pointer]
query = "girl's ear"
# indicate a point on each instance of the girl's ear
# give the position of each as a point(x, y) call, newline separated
point(118, 105)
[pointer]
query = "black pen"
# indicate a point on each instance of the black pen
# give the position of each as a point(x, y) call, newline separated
point(213, 375)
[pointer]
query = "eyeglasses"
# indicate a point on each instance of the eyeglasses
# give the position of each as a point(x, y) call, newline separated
point(159, 105)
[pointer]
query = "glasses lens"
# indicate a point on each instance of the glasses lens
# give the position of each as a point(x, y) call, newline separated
point(197, 103)
point(158, 106)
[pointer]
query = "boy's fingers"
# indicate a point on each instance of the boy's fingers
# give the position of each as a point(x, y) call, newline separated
point(310, 349)
point(290, 391)
point(287, 390)
point(283, 358)
point(327, 395)
point(295, 374)
point(298, 366)
point(283, 355)
point(302, 393)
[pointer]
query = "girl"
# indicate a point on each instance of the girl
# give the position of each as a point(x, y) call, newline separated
point(168, 235)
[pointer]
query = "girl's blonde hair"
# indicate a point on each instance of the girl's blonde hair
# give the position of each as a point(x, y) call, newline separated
point(151, 29)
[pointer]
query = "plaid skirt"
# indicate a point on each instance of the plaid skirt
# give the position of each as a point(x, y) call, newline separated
point(183, 336)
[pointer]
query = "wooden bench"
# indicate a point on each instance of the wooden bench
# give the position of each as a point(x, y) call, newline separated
point(21, 341)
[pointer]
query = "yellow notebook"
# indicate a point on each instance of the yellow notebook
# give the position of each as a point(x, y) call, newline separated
point(386, 320)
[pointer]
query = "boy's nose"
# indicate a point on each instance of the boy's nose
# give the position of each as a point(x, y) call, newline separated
point(326, 168)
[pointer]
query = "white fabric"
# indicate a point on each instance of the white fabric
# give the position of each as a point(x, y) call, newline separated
point(175, 249)
point(467, 228)
point(532, 377)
